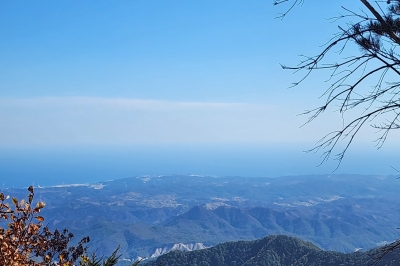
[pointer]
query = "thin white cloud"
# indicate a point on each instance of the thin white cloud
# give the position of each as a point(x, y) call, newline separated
point(114, 121)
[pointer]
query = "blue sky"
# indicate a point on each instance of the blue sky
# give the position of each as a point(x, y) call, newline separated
point(90, 74)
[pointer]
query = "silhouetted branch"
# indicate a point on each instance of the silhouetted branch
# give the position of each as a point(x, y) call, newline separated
point(376, 34)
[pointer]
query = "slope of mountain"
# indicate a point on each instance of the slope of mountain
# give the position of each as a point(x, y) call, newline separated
point(142, 214)
point(276, 250)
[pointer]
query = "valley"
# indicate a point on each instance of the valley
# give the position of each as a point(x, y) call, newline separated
point(148, 214)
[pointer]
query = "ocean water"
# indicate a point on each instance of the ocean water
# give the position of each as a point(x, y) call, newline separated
point(49, 166)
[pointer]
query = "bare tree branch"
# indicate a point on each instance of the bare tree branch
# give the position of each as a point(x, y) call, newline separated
point(376, 34)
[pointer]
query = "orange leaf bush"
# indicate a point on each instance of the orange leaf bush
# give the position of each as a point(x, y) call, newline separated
point(25, 241)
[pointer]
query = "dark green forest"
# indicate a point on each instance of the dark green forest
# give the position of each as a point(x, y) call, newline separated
point(275, 250)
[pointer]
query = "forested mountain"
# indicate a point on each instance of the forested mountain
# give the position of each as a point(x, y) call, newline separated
point(146, 214)
point(276, 250)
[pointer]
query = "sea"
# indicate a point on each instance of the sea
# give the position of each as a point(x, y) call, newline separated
point(24, 166)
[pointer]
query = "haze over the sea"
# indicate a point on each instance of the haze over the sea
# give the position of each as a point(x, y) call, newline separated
point(50, 167)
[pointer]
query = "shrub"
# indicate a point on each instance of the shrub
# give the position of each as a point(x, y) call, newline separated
point(25, 241)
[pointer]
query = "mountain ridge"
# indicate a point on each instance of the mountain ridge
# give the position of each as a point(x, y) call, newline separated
point(336, 212)
point(274, 250)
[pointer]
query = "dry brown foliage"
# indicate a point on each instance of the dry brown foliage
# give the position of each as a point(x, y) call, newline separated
point(25, 241)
